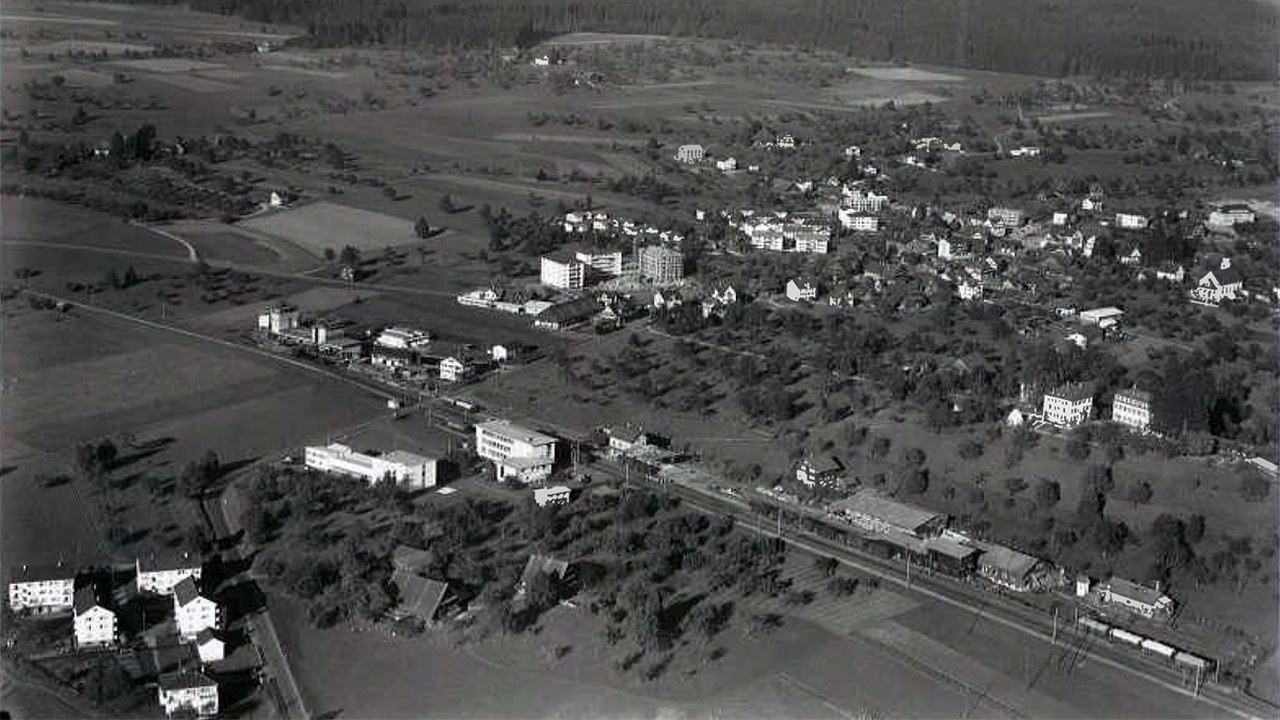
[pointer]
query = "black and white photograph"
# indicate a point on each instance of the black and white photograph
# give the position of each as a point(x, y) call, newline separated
point(639, 359)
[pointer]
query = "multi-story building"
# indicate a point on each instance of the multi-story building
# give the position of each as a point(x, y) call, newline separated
point(278, 318)
point(1069, 405)
point(193, 612)
point(160, 573)
point(857, 221)
point(564, 272)
point(1132, 408)
point(95, 624)
point(690, 154)
point(661, 264)
point(604, 263)
point(1005, 217)
point(819, 471)
point(1130, 221)
point(407, 469)
point(42, 589)
point(954, 249)
point(861, 202)
point(188, 693)
point(456, 369)
point(1231, 214)
point(516, 452)
point(810, 238)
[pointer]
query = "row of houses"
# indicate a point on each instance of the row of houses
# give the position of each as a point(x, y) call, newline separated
point(1071, 405)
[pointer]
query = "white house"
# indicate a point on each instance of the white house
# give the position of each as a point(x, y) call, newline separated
point(406, 468)
point(1171, 272)
point(400, 338)
point(690, 154)
point(858, 222)
point(563, 272)
point(188, 692)
point(1218, 285)
point(853, 152)
point(1130, 221)
point(727, 165)
point(555, 495)
point(95, 624)
point(159, 574)
point(276, 200)
point(953, 249)
point(1069, 405)
point(516, 452)
point(861, 201)
point(969, 290)
point(819, 471)
point(1005, 216)
point(42, 589)
point(1102, 317)
point(278, 318)
point(1025, 151)
point(193, 612)
point(1132, 408)
point(1231, 215)
point(1059, 219)
point(786, 141)
point(1091, 204)
point(1078, 339)
point(210, 646)
point(1133, 257)
point(456, 369)
point(1143, 600)
point(801, 290)
point(1015, 418)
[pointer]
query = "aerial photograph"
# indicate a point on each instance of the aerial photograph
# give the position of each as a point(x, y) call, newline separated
point(640, 359)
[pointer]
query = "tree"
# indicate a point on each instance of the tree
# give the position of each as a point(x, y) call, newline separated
point(389, 192)
point(446, 204)
point(913, 456)
point(106, 454)
point(130, 277)
point(825, 566)
point(329, 254)
point(1077, 448)
point(87, 461)
point(1048, 493)
point(349, 256)
point(421, 228)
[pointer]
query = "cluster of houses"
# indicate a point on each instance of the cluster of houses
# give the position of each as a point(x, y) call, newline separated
point(197, 619)
point(1071, 405)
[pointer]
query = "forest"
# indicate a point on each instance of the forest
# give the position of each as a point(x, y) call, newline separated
point(1226, 39)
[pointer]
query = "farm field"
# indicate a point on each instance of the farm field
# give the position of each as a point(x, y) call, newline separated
point(325, 225)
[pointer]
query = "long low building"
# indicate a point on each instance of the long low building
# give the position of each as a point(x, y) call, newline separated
point(870, 510)
point(408, 469)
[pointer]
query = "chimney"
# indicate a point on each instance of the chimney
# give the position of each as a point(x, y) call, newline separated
point(1226, 263)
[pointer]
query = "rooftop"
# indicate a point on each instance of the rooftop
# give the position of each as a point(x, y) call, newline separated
point(419, 596)
point(186, 591)
point(402, 457)
point(208, 635)
point(175, 561)
point(1007, 560)
point(898, 514)
point(409, 559)
point(1133, 394)
point(184, 680)
point(1073, 392)
point(43, 573)
point(86, 598)
point(543, 564)
point(512, 431)
point(1135, 592)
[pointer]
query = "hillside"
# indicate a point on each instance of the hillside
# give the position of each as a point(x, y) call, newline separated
point(1224, 39)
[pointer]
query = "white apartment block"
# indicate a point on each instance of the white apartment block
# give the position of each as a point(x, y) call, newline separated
point(809, 238)
point(95, 625)
point(193, 612)
point(400, 338)
point(1069, 405)
point(42, 589)
point(856, 221)
point(1132, 408)
point(690, 153)
point(563, 273)
point(661, 264)
point(862, 202)
point(555, 495)
point(1005, 217)
point(406, 468)
point(608, 263)
point(455, 370)
point(188, 692)
point(516, 452)
point(159, 575)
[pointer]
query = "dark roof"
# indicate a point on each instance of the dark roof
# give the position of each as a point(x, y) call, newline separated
point(186, 591)
point(157, 563)
point(409, 559)
point(1134, 394)
point(868, 501)
point(208, 634)
point(1074, 392)
point(86, 599)
point(419, 596)
point(1227, 276)
point(43, 573)
point(578, 309)
point(185, 679)
point(543, 564)
point(824, 464)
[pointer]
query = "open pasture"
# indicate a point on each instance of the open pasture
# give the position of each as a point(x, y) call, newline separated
point(325, 225)
point(168, 65)
point(86, 78)
point(192, 83)
point(906, 74)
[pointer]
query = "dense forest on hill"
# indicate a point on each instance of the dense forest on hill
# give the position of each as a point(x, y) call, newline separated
point(1221, 39)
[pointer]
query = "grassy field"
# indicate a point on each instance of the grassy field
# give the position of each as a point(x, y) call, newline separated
point(324, 225)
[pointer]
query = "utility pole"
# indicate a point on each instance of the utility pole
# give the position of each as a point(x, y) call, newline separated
point(1055, 625)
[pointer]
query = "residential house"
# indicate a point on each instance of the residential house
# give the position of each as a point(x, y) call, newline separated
point(825, 471)
point(861, 201)
point(852, 152)
point(970, 289)
point(786, 141)
point(1059, 219)
point(210, 645)
point(159, 574)
point(42, 589)
point(661, 265)
point(1131, 221)
point(563, 271)
point(1069, 405)
point(1230, 215)
point(554, 495)
point(1143, 600)
point(857, 222)
point(954, 249)
point(95, 624)
point(410, 559)
point(188, 693)
point(1132, 407)
point(456, 369)
point(1005, 217)
point(727, 165)
point(420, 597)
point(1133, 257)
point(560, 572)
point(1173, 272)
point(801, 290)
point(1011, 569)
point(690, 154)
point(1029, 151)
point(725, 295)
point(407, 469)
point(516, 452)
point(1078, 339)
point(1102, 317)
point(193, 612)
point(1091, 204)
point(1221, 284)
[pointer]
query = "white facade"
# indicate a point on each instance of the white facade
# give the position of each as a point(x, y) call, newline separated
point(727, 165)
point(1132, 408)
point(400, 338)
point(858, 222)
point(690, 153)
point(563, 274)
point(188, 692)
point(516, 452)
point(967, 290)
point(454, 369)
point(161, 581)
point(95, 626)
point(609, 263)
point(1068, 406)
point(409, 469)
point(1229, 215)
point(1102, 317)
point(1218, 285)
point(196, 614)
point(42, 590)
point(952, 249)
point(557, 495)
point(801, 291)
point(211, 648)
point(1130, 221)
point(860, 201)
point(1005, 217)
point(661, 264)
point(278, 319)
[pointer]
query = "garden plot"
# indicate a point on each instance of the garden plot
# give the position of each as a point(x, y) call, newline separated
point(324, 225)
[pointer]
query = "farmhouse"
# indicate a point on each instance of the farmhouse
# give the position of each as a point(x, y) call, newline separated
point(210, 645)
point(559, 570)
point(661, 265)
point(516, 452)
point(95, 624)
point(408, 469)
point(1218, 285)
point(801, 290)
point(420, 597)
point(1132, 408)
point(1143, 600)
point(691, 154)
point(555, 495)
point(187, 693)
point(193, 612)
point(563, 271)
point(1069, 405)
point(41, 589)
point(159, 574)
point(872, 511)
point(819, 471)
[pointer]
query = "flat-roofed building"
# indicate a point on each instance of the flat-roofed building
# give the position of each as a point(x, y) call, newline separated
point(408, 469)
point(1132, 407)
point(400, 338)
point(1005, 216)
point(563, 271)
point(42, 589)
point(661, 264)
point(554, 495)
point(517, 452)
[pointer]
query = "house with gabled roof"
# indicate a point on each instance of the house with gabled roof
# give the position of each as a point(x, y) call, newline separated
point(801, 290)
point(1224, 283)
point(159, 573)
point(187, 693)
point(42, 589)
point(193, 612)
point(420, 597)
point(95, 623)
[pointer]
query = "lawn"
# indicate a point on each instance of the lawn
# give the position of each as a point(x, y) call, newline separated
point(324, 225)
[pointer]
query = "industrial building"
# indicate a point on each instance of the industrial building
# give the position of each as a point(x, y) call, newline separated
point(408, 469)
